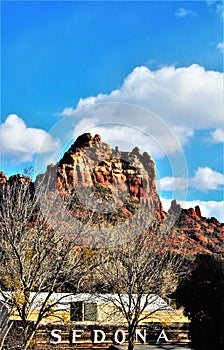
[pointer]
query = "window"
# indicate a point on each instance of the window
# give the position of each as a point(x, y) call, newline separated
point(76, 311)
point(90, 312)
point(81, 311)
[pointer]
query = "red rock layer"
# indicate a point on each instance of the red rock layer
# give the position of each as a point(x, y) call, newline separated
point(90, 161)
point(199, 234)
point(128, 176)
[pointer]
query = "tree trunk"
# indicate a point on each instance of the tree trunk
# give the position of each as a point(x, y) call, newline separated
point(130, 344)
point(130, 339)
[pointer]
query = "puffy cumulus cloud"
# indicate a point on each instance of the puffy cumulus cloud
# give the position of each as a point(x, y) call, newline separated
point(182, 12)
point(208, 208)
point(20, 143)
point(186, 97)
point(220, 47)
point(207, 179)
point(127, 137)
point(183, 99)
point(217, 136)
point(129, 124)
point(204, 179)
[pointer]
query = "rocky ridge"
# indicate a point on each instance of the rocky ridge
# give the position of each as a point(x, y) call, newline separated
point(130, 177)
point(200, 234)
point(127, 175)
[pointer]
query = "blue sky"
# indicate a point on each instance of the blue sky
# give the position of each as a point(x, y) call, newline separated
point(166, 56)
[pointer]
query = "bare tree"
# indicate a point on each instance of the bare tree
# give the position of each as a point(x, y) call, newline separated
point(38, 251)
point(140, 269)
point(42, 241)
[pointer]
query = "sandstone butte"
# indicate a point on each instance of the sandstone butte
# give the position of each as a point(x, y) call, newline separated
point(129, 177)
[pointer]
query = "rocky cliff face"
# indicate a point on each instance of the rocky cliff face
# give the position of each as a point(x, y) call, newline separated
point(15, 182)
point(200, 234)
point(14, 179)
point(3, 178)
point(128, 175)
point(130, 178)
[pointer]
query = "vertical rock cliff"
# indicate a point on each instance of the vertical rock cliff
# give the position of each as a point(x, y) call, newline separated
point(128, 175)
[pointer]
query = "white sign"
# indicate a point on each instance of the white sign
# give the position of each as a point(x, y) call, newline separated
point(99, 336)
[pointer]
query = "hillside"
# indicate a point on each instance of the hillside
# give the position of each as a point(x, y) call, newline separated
point(116, 184)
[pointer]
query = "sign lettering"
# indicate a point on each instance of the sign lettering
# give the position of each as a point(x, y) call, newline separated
point(142, 337)
point(162, 336)
point(97, 333)
point(55, 335)
point(76, 333)
point(99, 336)
point(119, 336)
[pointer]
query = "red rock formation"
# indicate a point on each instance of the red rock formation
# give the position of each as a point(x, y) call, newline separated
point(18, 178)
point(16, 182)
point(90, 161)
point(207, 235)
point(198, 211)
point(3, 178)
point(130, 178)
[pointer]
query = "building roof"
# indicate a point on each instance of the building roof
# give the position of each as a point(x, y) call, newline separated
point(149, 302)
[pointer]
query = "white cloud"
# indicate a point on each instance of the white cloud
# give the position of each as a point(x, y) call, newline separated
point(183, 134)
point(207, 179)
point(129, 126)
point(188, 97)
point(204, 179)
point(208, 208)
point(183, 99)
point(20, 143)
point(66, 112)
point(217, 136)
point(127, 137)
point(220, 47)
point(182, 12)
point(169, 183)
